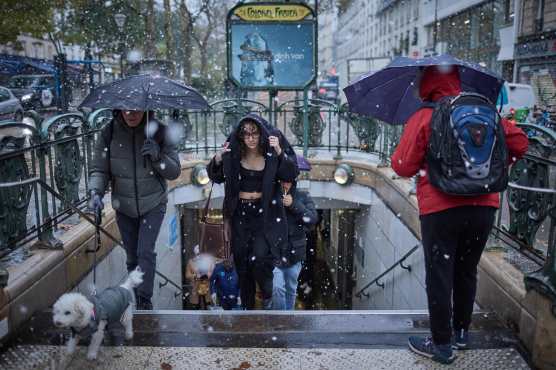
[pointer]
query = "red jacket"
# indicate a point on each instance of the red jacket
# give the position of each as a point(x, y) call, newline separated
point(409, 157)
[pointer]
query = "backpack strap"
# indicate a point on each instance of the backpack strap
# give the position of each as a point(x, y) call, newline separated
point(429, 104)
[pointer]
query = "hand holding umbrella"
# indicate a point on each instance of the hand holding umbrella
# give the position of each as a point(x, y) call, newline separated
point(151, 149)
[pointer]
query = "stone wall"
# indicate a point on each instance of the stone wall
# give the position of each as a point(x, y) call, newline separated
point(382, 239)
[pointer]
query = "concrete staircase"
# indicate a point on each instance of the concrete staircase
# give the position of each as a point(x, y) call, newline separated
point(265, 340)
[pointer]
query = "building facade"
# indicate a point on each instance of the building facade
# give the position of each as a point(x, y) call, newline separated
point(535, 49)
point(34, 47)
point(327, 32)
point(371, 32)
point(470, 30)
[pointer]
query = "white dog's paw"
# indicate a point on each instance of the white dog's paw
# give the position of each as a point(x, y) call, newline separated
point(129, 335)
point(92, 355)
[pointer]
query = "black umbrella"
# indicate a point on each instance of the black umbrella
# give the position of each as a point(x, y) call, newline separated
point(145, 92)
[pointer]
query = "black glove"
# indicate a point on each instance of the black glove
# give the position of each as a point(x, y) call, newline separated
point(96, 205)
point(152, 149)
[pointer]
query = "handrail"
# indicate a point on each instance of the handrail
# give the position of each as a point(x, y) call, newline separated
point(376, 280)
point(91, 221)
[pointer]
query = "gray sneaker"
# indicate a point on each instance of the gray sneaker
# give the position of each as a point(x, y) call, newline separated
point(460, 339)
point(425, 347)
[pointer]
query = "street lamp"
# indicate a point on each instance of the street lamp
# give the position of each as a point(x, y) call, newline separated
point(119, 18)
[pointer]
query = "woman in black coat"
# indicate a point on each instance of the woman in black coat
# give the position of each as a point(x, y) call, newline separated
point(251, 165)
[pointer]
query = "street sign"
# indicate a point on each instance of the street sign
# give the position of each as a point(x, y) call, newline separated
point(272, 46)
point(274, 12)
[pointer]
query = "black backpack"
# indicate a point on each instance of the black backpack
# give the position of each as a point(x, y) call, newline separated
point(467, 153)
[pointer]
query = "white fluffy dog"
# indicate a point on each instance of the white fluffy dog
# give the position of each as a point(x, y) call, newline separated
point(90, 317)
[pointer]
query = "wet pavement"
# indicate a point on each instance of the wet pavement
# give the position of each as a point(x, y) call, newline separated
point(201, 358)
point(264, 340)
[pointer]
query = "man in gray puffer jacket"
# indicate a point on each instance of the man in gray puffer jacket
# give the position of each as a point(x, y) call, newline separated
point(136, 158)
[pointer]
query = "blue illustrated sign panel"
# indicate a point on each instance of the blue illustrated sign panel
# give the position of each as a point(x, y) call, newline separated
point(172, 231)
point(267, 55)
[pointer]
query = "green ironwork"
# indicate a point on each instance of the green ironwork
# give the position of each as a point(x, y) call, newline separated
point(315, 125)
point(232, 114)
point(69, 161)
point(532, 198)
point(367, 130)
point(46, 235)
point(99, 118)
point(306, 130)
point(14, 200)
point(529, 209)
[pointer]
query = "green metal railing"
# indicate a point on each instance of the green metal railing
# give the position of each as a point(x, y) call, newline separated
point(58, 151)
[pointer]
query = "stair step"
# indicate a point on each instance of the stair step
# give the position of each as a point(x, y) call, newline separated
point(264, 340)
point(357, 329)
point(202, 358)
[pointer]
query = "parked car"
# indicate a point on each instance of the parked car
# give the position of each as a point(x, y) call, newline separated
point(34, 91)
point(328, 88)
point(10, 107)
point(519, 97)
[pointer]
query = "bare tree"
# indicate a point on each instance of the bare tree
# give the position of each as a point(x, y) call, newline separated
point(186, 28)
point(168, 35)
point(150, 50)
point(201, 35)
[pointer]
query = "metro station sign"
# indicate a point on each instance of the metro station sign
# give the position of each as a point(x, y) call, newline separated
point(272, 46)
point(276, 12)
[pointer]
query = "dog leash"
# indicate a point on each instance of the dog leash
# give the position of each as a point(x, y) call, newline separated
point(98, 221)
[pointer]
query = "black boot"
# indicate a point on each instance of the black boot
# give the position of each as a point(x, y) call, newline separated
point(144, 303)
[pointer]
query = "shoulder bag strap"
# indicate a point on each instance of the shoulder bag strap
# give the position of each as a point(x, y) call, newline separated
point(207, 204)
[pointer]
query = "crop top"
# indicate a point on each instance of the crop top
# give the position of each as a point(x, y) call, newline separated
point(251, 181)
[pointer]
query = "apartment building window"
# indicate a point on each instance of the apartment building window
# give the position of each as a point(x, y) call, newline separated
point(539, 19)
point(538, 15)
point(549, 22)
point(37, 49)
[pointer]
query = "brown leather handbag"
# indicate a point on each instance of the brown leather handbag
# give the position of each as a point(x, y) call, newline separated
point(214, 236)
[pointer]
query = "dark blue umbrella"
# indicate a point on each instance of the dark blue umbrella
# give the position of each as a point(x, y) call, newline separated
point(392, 94)
point(145, 92)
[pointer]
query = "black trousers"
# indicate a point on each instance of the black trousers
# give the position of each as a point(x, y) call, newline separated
point(251, 253)
point(139, 238)
point(453, 241)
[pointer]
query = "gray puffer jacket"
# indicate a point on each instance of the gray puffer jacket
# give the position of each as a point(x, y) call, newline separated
point(138, 184)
